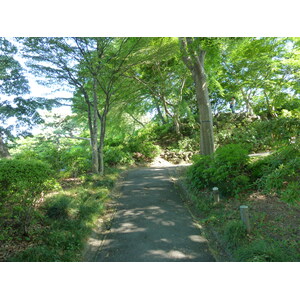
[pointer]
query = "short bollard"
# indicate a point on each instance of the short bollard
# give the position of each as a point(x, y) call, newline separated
point(245, 217)
point(216, 194)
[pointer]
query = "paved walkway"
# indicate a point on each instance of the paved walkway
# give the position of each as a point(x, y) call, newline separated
point(151, 224)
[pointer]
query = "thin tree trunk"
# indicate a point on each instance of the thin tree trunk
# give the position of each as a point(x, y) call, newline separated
point(269, 107)
point(160, 113)
point(94, 136)
point(176, 124)
point(101, 144)
point(4, 153)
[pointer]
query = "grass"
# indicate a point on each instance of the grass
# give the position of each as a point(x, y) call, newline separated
point(275, 226)
point(65, 220)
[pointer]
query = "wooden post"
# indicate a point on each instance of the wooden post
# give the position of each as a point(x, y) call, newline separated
point(245, 217)
point(216, 194)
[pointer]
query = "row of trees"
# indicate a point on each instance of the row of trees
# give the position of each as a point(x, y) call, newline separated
point(181, 80)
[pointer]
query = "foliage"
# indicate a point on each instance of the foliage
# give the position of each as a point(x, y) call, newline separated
point(143, 142)
point(66, 221)
point(198, 173)
point(76, 160)
point(262, 251)
point(226, 169)
point(13, 87)
point(279, 173)
point(115, 155)
point(255, 134)
point(134, 95)
point(57, 208)
point(284, 181)
point(235, 233)
point(21, 185)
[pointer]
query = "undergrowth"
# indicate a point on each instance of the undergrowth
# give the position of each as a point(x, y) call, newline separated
point(66, 219)
point(238, 178)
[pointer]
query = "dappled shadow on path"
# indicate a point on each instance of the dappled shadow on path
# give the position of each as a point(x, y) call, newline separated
point(151, 223)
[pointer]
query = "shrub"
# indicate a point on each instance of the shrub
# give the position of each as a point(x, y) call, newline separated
point(256, 135)
point(21, 185)
point(188, 144)
point(227, 169)
point(197, 174)
point(283, 181)
point(292, 193)
point(261, 251)
point(114, 155)
point(235, 233)
point(77, 159)
point(36, 254)
point(58, 207)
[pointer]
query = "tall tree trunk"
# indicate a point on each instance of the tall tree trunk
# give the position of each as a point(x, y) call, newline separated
point(195, 62)
point(3, 149)
point(205, 114)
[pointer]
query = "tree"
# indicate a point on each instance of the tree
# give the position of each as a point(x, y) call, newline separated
point(257, 71)
point(193, 56)
point(58, 60)
point(13, 85)
point(94, 67)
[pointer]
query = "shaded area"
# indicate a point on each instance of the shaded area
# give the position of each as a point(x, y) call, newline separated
point(151, 223)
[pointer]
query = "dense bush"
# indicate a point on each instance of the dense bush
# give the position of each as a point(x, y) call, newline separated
point(198, 174)
point(44, 150)
point(256, 135)
point(58, 208)
point(226, 169)
point(73, 157)
point(114, 155)
point(76, 160)
point(143, 142)
point(279, 173)
point(230, 170)
point(284, 181)
point(21, 185)
point(66, 221)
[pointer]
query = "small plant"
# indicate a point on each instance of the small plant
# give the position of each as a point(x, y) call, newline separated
point(36, 254)
point(284, 181)
point(261, 251)
point(235, 233)
point(292, 193)
point(58, 207)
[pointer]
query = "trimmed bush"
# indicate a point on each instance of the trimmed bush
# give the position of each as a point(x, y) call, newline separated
point(21, 185)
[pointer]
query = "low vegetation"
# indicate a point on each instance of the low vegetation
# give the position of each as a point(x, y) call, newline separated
point(60, 223)
point(269, 186)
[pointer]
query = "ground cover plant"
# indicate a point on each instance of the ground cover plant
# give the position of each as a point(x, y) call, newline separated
point(272, 194)
point(62, 222)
